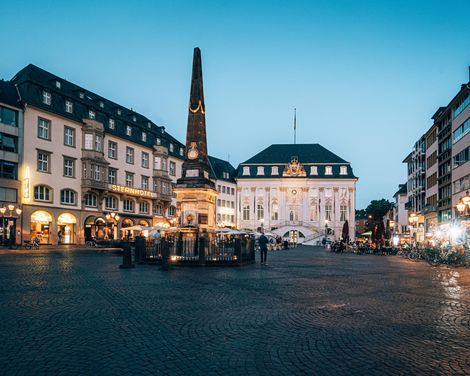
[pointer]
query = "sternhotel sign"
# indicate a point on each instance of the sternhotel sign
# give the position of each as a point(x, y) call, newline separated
point(132, 191)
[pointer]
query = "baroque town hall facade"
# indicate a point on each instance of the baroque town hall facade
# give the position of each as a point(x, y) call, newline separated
point(75, 163)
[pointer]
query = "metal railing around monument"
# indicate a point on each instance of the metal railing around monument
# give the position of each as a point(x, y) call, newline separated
point(182, 248)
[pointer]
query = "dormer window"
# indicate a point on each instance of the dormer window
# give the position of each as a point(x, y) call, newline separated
point(134, 118)
point(171, 148)
point(246, 170)
point(260, 170)
point(226, 175)
point(81, 95)
point(101, 104)
point(46, 97)
point(91, 114)
point(163, 130)
point(58, 84)
point(274, 170)
point(68, 107)
point(159, 142)
point(144, 136)
point(181, 151)
point(129, 130)
point(343, 170)
point(119, 111)
point(112, 124)
point(328, 170)
point(313, 170)
point(149, 125)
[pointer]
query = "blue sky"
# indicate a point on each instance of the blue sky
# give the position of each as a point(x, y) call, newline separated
point(365, 76)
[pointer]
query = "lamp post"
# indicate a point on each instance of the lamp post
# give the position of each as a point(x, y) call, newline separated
point(112, 218)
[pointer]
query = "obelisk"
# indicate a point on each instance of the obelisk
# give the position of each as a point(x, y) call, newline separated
point(195, 192)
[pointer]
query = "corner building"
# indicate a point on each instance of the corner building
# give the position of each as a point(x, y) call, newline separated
point(85, 157)
point(301, 191)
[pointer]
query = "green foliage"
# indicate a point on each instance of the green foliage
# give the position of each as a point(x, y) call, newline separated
point(378, 208)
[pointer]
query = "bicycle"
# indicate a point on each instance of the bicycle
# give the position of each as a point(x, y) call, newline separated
point(91, 243)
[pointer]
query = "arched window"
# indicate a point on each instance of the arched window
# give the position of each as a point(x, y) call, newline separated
point(128, 205)
point(158, 209)
point(42, 193)
point(260, 212)
point(313, 212)
point(246, 212)
point(328, 210)
point(144, 207)
point(90, 200)
point(111, 203)
point(68, 197)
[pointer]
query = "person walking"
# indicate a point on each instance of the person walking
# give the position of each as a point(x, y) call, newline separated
point(157, 238)
point(59, 237)
point(263, 245)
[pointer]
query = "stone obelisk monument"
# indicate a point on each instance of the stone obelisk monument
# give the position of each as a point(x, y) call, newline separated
point(195, 192)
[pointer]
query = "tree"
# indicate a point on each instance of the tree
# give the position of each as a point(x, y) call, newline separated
point(378, 208)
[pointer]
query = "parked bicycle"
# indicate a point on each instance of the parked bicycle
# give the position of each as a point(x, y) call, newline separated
point(446, 256)
point(30, 244)
point(91, 243)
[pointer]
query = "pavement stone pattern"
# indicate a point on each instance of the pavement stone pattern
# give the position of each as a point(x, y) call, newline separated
point(307, 312)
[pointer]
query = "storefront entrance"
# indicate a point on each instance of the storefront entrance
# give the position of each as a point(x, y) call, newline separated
point(41, 225)
point(66, 228)
point(95, 228)
point(7, 231)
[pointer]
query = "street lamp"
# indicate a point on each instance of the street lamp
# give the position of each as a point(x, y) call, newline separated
point(112, 218)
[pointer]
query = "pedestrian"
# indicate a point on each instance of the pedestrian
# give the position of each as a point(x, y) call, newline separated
point(263, 245)
point(59, 236)
point(157, 237)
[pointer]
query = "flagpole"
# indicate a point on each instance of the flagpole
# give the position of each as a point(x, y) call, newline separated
point(295, 125)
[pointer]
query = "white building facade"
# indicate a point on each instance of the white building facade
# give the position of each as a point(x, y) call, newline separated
point(302, 192)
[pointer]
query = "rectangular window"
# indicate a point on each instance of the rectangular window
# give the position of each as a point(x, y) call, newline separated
point(112, 149)
point(343, 170)
point(91, 114)
point(129, 130)
point(44, 129)
point(144, 137)
point(96, 172)
point(129, 179)
point(223, 189)
point(110, 203)
point(274, 170)
point(8, 143)
point(145, 182)
point(98, 143)
point(328, 209)
point(172, 168)
point(8, 195)
point(112, 124)
point(462, 130)
point(112, 173)
point(8, 116)
point(260, 170)
point(463, 103)
point(68, 107)
point(246, 213)
point(171, 148)
point(145, 160)
point(328, 170)
point(69, 167)
point(129, 155)
point(43, 161)
point(8, 170)
point(246, 170)
point(69, 136)
point(46, 97)
point(88, 141)
point(343, 212)
point(313, 170)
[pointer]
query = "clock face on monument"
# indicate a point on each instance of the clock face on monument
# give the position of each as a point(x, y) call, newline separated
point(192, 152)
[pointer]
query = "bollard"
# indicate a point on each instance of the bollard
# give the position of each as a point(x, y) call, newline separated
point(202, 250)
point(165, 255)
point(238, 250)
point(140, 249)
point(126, 258)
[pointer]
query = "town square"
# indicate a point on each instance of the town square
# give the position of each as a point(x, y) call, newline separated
point(242, 188)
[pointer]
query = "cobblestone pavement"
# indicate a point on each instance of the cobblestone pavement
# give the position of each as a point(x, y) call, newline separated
point(307, 312)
